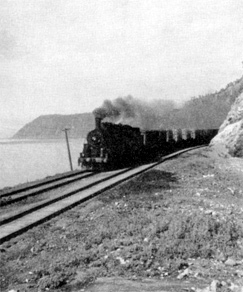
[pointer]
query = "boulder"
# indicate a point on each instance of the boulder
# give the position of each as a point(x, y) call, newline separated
point(229, 140)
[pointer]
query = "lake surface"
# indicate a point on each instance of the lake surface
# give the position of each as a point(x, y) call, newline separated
point(27, 160)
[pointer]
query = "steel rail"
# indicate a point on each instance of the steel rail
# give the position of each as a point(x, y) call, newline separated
point(37, 185)
point(52, 185)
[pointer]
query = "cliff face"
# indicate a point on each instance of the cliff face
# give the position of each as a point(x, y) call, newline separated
point(229, 140)
point(51, 126)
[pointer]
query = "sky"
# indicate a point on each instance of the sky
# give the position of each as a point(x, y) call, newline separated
point(67, 56)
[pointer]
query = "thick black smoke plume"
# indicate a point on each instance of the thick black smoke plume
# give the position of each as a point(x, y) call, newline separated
point(128, 110)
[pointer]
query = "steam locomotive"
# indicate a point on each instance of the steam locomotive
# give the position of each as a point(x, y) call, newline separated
point(111, 146)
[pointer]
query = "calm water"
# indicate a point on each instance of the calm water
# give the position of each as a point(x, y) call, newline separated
point(25, 161)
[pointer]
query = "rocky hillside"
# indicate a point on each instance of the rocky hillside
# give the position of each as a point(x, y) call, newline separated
point(51, 126)
point(205, 111)
point(230, 137)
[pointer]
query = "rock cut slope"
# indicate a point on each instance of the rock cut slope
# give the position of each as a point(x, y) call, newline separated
point(229, 140)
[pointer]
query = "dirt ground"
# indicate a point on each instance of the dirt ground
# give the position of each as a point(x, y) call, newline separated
point(178, 227)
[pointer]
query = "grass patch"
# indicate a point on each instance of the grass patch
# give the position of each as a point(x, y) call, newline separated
point(149, 226)
point(143, 241)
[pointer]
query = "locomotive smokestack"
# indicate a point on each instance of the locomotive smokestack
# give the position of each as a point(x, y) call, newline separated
point(98, 123)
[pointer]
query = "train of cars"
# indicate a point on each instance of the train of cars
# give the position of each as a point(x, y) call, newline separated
point(111, 146)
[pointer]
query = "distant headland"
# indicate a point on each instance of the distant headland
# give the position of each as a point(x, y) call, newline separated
point(51, 126)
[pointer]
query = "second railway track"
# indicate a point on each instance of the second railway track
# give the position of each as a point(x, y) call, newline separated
point(37, 189)
point(17, 222)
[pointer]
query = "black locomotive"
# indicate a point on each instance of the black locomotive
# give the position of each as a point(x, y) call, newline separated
point(111, 146)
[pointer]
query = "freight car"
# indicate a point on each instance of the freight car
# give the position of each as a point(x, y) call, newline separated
point(111, 146)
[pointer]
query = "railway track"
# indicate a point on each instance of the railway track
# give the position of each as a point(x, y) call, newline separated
point(17, 222)
point(39, 184)
point(40, 188)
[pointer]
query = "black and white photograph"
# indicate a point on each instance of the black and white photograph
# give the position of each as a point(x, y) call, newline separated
point(121, 145)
